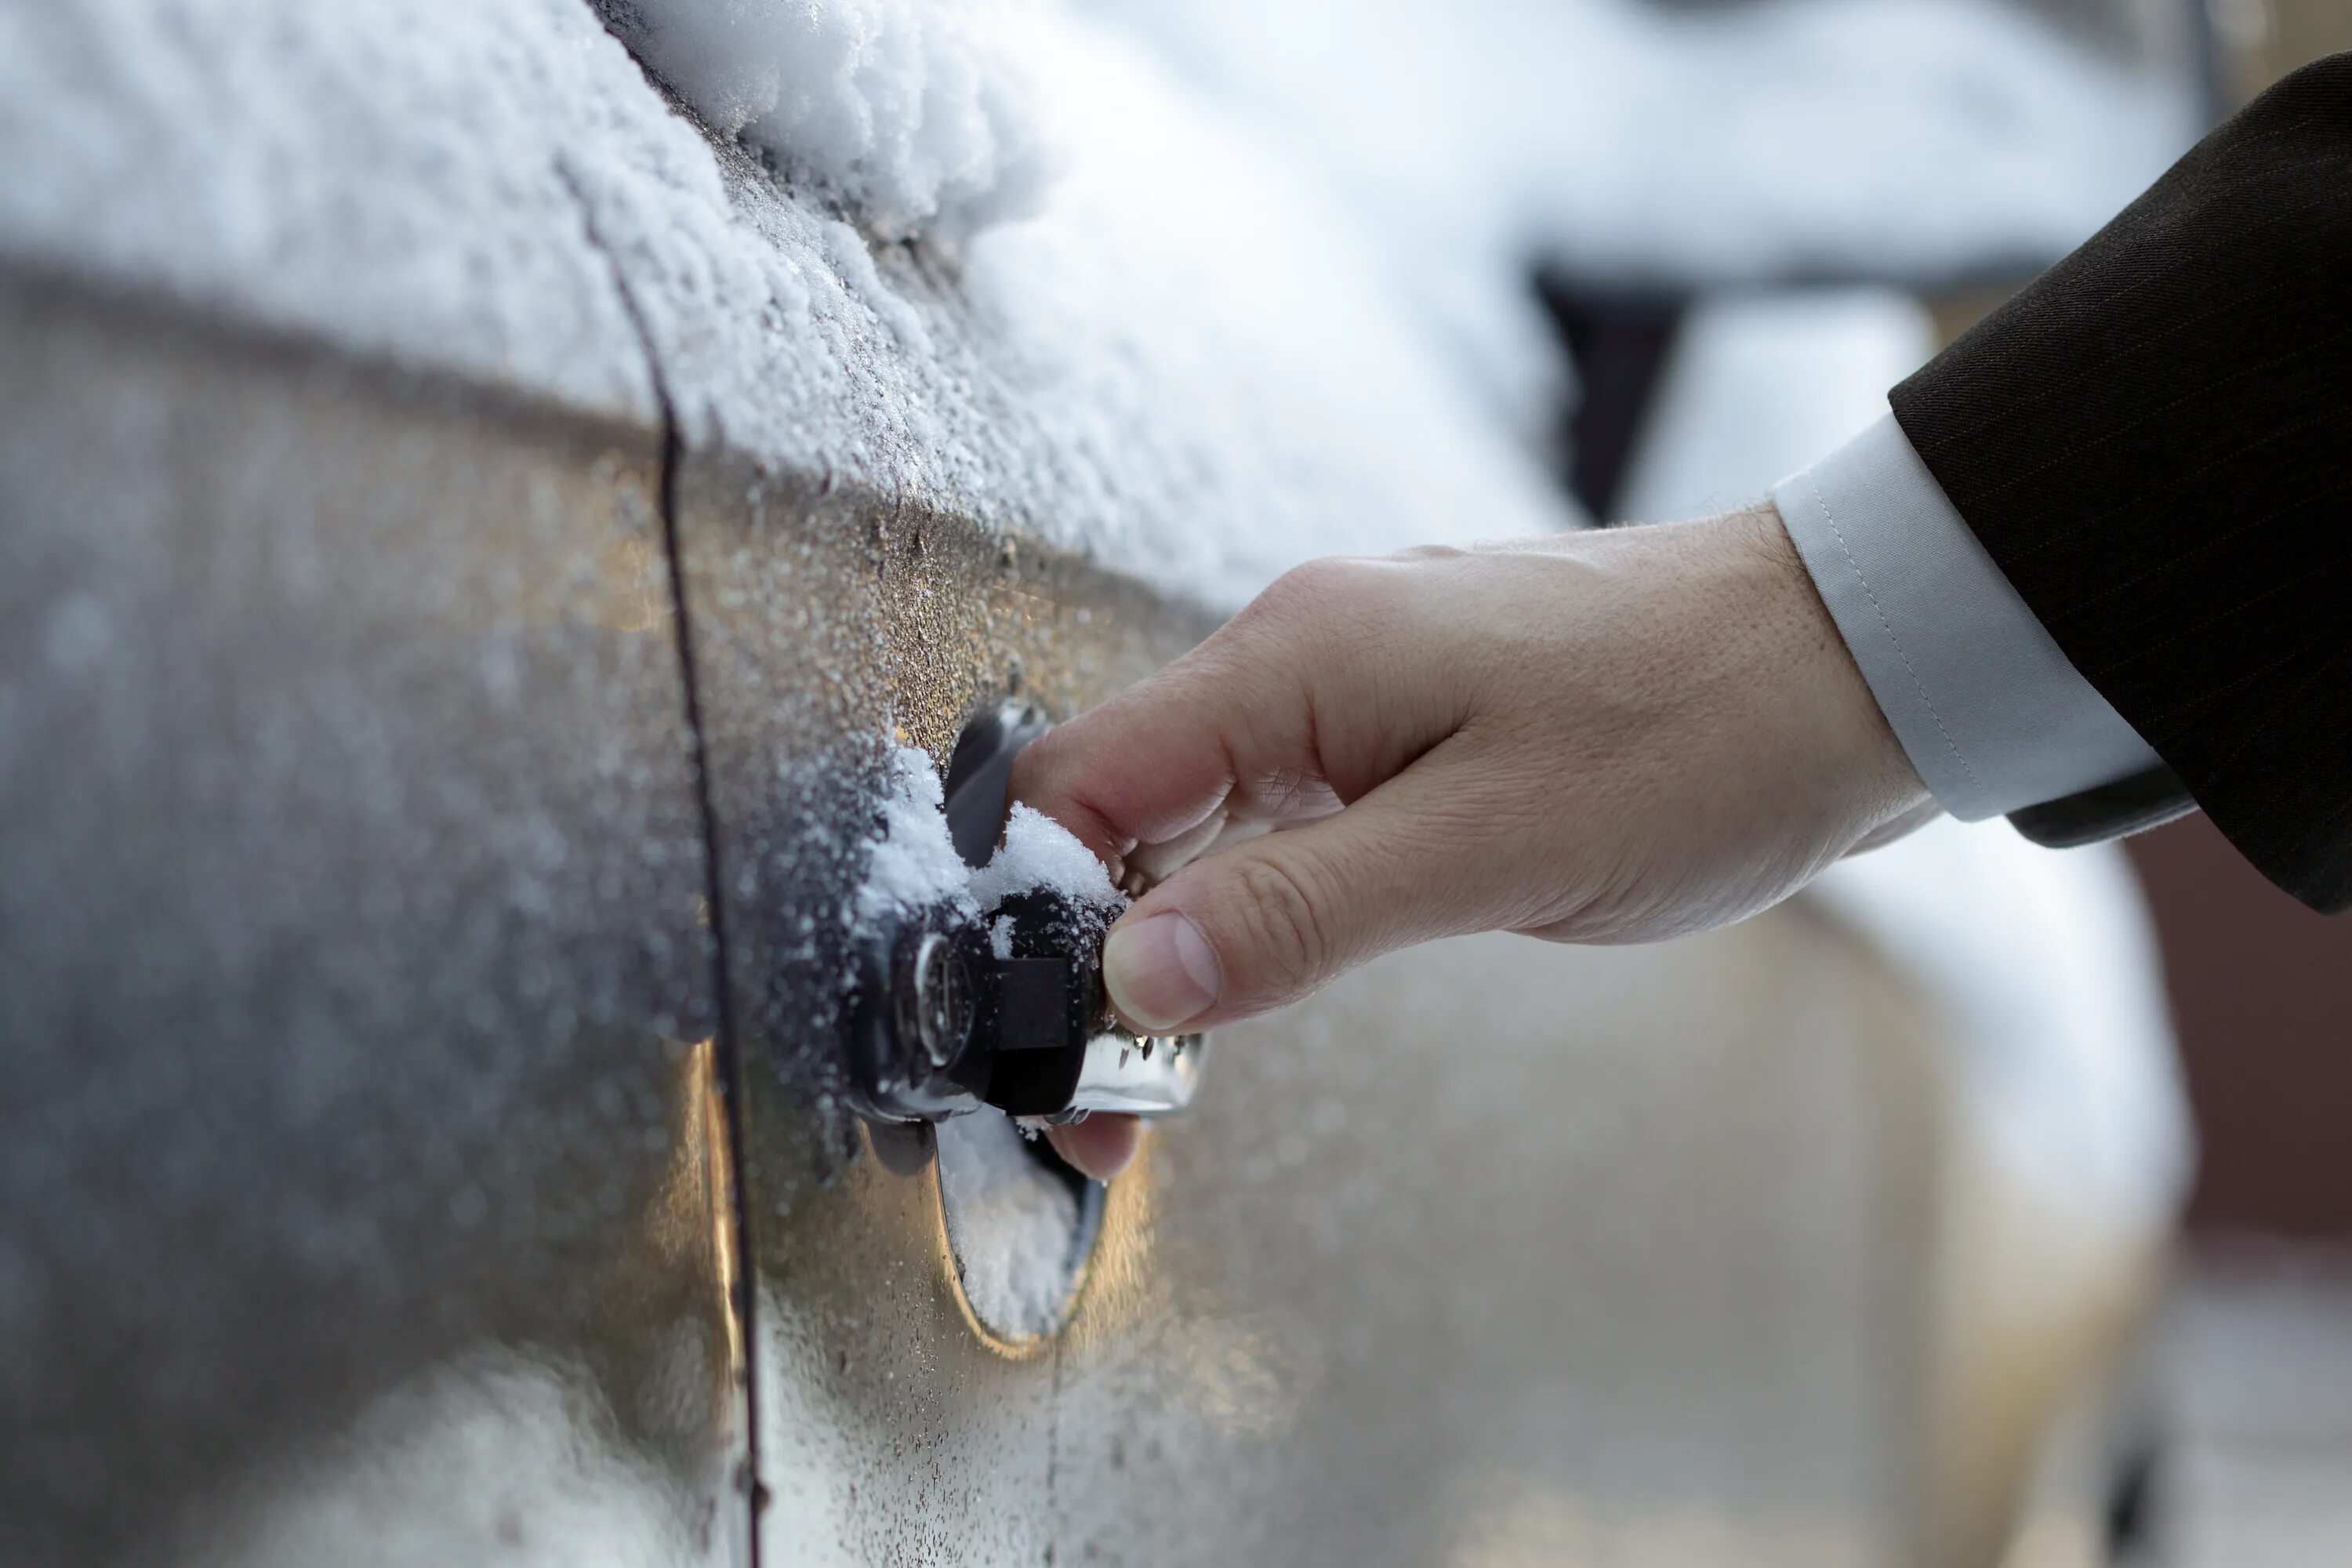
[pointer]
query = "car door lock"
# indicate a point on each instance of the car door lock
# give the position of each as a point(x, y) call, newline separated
point(953, 1013)
point(946, 1024)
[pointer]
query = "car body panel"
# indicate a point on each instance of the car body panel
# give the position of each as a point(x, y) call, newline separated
point(358, 1006)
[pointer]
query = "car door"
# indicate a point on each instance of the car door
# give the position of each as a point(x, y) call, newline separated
point(483, 534)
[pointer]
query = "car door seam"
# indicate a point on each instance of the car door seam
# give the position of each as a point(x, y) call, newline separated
point(673, 452)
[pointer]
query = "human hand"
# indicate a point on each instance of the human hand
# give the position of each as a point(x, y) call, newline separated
point(1604, 737)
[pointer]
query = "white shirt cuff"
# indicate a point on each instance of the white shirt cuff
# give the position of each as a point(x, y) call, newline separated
point(1989, 709)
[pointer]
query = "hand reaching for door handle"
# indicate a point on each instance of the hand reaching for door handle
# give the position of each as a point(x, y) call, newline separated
point(1607, 737)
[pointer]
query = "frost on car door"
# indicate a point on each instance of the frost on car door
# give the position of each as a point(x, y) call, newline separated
point(363, 1179)
point(366, 1197)
point(1495, 1252)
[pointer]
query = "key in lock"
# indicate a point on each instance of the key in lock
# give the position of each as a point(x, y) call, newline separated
point(1008, 1010)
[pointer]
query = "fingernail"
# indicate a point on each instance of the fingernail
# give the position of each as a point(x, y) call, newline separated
point(1100, 1146)
point(1161, 972)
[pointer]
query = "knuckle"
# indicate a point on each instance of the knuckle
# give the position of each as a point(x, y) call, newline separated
point(1281, 914)
point(1305, 591)
point(1289, 791)
point(1035, 764)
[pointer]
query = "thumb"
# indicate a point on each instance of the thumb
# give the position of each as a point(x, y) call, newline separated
point(1271, 920)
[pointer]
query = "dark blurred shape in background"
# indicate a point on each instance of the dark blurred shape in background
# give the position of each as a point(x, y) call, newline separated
point(2261, 991)
point(2259, 1424)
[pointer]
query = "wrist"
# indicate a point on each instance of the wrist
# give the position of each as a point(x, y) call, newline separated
point(1855, 752)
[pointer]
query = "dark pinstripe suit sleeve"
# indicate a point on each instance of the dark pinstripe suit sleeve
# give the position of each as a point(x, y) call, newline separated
point(2154, 442)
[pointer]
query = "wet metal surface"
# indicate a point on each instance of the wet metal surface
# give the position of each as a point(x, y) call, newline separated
point(823, 629)
point(1661, 1322)
point(365, 1182)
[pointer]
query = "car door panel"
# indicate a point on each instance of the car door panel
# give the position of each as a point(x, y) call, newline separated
point(362, 1093)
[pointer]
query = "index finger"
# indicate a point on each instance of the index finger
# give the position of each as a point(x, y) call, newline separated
point(1219, 731)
